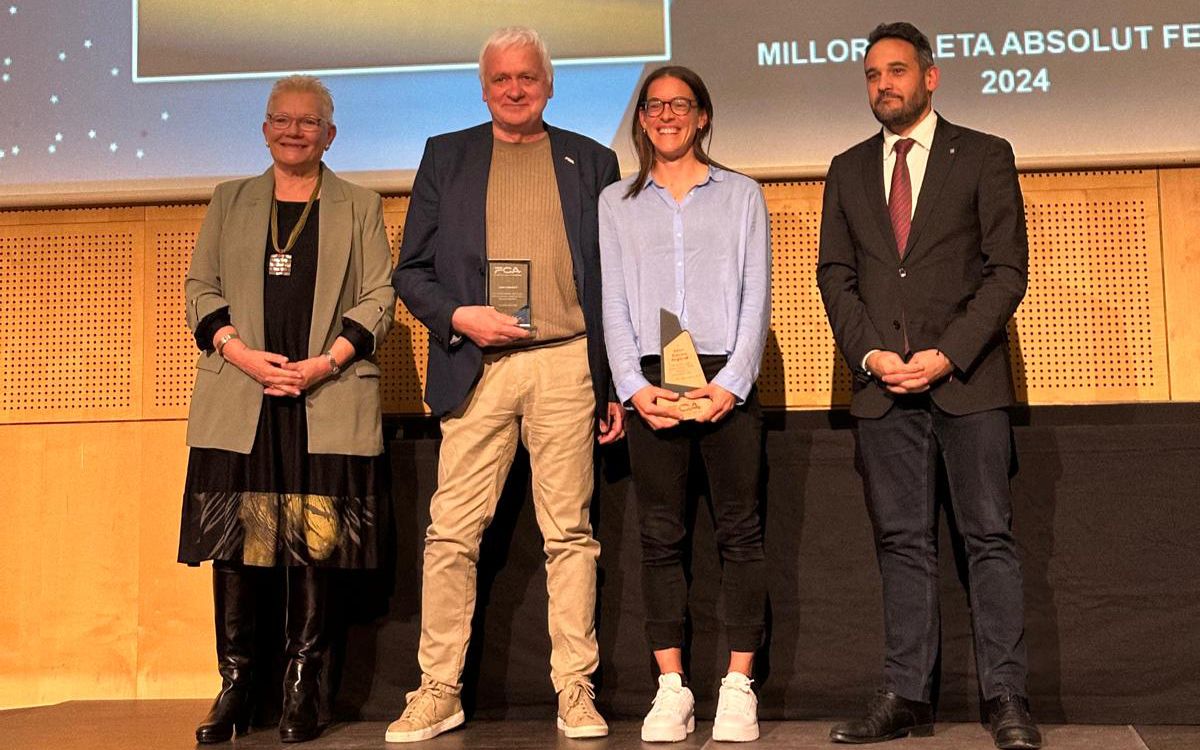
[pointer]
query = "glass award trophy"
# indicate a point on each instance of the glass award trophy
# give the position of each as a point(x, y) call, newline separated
point(508, 290)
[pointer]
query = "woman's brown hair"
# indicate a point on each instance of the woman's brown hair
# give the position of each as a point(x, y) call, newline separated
point(641, 141)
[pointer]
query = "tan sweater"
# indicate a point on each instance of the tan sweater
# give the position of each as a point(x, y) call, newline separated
point(525, 222)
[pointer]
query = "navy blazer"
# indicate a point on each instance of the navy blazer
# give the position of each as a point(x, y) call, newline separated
point(959, 282)
point(444, 251)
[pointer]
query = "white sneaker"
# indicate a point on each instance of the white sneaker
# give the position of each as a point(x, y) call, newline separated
point(737, 710)
point(673, 715)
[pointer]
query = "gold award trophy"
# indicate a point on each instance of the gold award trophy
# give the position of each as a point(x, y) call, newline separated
point(681, 371)
point(508, 290)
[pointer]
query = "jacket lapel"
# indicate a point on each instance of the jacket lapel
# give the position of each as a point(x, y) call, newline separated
point(245, 261)
point(473, 186)
point(872, 182)
point(566, 173)
point(334, 237)
point(937, 169)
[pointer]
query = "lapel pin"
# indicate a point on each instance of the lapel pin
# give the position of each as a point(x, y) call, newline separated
point(569, 160)
point(951, 150)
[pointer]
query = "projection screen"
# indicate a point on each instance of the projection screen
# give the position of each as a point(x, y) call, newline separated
point(110, 100)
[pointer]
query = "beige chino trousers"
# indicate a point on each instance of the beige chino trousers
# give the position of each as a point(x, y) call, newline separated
point(544, 398)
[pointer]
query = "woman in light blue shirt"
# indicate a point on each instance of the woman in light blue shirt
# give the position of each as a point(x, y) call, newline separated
point(689, 237)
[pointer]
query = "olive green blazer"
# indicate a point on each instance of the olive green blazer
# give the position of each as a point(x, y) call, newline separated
point(353, 281)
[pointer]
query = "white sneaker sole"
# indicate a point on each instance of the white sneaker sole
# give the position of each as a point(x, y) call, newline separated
point(584, 732)
point(735, 733)
point(416, 735)
point(669, 734)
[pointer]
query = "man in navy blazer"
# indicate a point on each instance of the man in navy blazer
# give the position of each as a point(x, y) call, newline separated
point(513, 189)
point(923, 261)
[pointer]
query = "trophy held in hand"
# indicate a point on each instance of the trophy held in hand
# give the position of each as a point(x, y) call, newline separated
point(508, 290)
point(681, 370)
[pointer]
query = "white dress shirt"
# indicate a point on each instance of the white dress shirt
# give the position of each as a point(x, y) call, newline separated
point(918, 156)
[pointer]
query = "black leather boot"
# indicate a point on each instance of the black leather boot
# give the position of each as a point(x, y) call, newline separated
point(306, 617)
point(233, 603)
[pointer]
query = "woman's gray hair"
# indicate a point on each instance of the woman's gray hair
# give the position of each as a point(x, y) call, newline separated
point(302, 84)
point(517, 36)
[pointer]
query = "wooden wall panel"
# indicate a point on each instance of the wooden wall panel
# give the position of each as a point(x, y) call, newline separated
point(406, 349)
point(1092, 327)
point(70, 321)
point(68, 549)
point(72, 216)
point(175, 640)
point(95, 605)
point(92, 327)
point(801, 366)
point(170, 348)
point(1180, 190)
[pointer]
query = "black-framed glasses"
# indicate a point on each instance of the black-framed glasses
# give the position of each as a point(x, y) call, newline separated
point(308, 123)
point(680, 105)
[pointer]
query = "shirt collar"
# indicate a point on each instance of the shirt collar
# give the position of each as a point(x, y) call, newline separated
point(715, 174)
point(922, 134)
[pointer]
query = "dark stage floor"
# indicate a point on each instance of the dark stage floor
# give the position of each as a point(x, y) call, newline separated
point(167, 725)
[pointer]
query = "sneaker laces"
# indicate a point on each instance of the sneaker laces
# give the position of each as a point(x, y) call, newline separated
point(666, 701)
point(580, 696)
point(422, 703)
point(735, 694)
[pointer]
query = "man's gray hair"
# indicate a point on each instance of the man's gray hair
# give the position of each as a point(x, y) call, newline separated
point(517, 36)
point(301, 84)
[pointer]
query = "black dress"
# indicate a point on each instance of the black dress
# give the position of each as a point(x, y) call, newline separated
point(280, 504)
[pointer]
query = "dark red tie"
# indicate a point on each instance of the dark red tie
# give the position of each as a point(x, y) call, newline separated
point(900, 198)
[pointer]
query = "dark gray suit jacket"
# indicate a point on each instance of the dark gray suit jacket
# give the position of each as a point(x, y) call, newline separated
point(960, 281)
point(444, 251)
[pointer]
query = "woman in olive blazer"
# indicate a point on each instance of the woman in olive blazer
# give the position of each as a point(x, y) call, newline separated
point(353, 282)
point(288, 296)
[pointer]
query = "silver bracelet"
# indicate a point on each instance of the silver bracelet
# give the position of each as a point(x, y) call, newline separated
point(334, 367)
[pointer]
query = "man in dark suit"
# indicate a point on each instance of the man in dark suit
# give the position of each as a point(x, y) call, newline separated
point(513, 189)
point(922, 263)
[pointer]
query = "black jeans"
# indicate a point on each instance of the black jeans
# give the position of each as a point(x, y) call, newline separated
point(732, 453)
point(899, 454)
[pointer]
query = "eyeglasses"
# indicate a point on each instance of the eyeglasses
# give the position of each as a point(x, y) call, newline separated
point(308, 123)
point(679, 105)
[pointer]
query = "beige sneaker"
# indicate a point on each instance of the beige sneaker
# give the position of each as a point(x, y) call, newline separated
point(431, 710)
point(577, 714)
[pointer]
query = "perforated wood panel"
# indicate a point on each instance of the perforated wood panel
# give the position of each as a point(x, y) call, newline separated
point(170, 348)
point(79, 340)
point(1092, 326)
point(69, 321)
point(801, 365)
point(404, 353)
